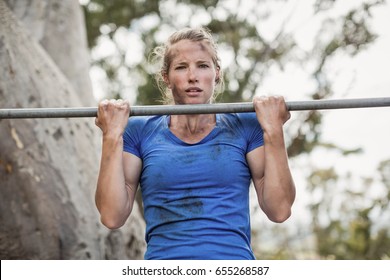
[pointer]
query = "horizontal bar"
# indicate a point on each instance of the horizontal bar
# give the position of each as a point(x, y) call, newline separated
point(243, 107)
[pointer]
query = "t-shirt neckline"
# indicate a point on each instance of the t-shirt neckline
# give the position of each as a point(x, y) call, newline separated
point(208, 137)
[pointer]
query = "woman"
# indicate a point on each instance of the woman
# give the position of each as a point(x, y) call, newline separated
point(194, 170)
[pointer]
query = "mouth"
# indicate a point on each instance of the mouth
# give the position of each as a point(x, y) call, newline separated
point(193, 90)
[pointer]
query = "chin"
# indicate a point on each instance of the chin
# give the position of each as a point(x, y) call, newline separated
point(192, 101)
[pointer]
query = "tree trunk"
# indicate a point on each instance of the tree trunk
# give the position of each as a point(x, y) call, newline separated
point(60, 29)
point(48, 167)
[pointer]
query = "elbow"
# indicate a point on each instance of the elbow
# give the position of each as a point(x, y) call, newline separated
point(111, 223)
point(280, 217)
point(283, 212)
point(279, 214)
point(111, 217)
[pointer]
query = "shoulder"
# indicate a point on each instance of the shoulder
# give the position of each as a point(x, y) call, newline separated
point(141, 125)
point(247, 118)
point(141, 122)
point(241, 120)
point(247, 125)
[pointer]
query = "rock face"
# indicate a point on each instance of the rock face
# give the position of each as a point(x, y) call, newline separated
point(49, 167)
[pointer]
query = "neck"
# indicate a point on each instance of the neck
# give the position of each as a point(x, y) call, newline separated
point(193, 124)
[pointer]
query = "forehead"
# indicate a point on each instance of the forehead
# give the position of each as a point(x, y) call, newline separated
point(187, 49)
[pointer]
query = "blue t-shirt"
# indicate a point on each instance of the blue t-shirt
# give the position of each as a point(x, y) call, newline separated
point(195, 196)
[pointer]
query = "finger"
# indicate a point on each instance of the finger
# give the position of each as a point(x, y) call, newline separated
point(117, 102)
point(103, 104)
point(283, 102)
point(260, 98)
point(97, 123)
point(122, 104)
point(257, 100)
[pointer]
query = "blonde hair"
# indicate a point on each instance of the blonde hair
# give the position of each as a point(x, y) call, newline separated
point(162, 57)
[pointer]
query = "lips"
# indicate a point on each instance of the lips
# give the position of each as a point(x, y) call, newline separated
point(193, 89)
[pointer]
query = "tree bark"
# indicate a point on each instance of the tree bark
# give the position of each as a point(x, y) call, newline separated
point(59, 27)
point(48, 167)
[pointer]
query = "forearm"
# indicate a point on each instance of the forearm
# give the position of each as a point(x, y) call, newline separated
point(278, 189)
point(112, 196)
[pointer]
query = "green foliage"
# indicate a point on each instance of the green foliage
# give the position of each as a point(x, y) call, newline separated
point(105, 17)
point(347, 229)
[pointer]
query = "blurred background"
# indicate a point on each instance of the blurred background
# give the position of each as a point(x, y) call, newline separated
point(303, 50)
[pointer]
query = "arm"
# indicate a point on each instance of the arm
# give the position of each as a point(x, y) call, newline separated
point(269, 164)
point(119, 171)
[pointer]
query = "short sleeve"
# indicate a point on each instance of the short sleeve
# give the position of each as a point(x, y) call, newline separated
point(252, 130)
point(132, 136)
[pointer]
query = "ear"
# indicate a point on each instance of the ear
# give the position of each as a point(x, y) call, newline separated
point(217, 76)
point(166, 80)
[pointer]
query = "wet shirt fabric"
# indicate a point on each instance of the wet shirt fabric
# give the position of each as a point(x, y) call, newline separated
point(196, 196)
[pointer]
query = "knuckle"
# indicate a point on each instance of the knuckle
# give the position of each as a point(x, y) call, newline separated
point(103, 104)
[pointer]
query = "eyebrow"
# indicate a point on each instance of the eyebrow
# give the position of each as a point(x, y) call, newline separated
point(204, 61)
point(197, 62)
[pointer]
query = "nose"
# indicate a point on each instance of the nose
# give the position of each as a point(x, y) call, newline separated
point(192, 75)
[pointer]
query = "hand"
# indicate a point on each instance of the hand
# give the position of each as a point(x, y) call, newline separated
point(112, 116)
point(271, 111)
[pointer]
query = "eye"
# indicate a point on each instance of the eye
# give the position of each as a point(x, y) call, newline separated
point(203, 65)
point(180, 67)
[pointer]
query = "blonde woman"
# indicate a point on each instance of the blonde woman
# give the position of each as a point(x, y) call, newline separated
point(194, 170)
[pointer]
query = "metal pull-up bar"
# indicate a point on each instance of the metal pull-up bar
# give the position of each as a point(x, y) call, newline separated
point(244, 107)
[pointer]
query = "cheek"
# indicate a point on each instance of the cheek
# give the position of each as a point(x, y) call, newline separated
point(206, 75)
point(173, 88)
point(171, 81)
point(210, 79)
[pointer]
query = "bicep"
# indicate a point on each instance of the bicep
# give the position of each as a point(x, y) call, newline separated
point(256, 163)
point(132, 166)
